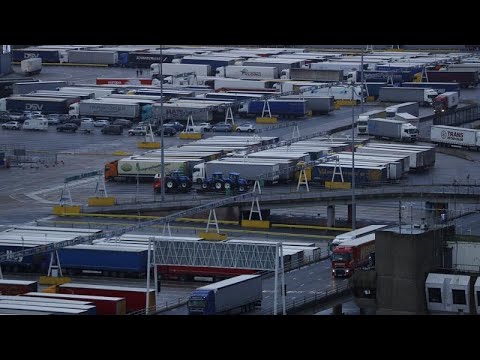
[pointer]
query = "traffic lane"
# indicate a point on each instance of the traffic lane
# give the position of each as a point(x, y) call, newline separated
point(301, 284)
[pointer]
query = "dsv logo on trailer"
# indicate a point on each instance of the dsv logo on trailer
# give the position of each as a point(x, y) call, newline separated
point(30, 55)
point(34, 107)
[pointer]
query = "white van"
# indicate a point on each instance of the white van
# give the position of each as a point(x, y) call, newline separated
point(38, 123)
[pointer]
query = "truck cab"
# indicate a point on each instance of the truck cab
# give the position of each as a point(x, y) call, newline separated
point(429, 96)
point(362, 124)
point(342, 261)
point(409, 132)
point(201, 302)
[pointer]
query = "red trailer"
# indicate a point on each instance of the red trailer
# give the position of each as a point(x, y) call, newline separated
point(464, 78)
point(189, 272)
point(352, 254)
point(105, 305)
point(123, 81)
point(135, 297)
point(17, 287)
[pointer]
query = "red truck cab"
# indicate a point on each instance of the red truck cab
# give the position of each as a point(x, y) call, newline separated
point(352, 254)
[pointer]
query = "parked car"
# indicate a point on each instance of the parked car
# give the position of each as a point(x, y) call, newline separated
point(167, 131)
point(4, 116)
point(68, 127)
point(179, 127)
point(246, 128)
point(123, 122)
point(202, 127)
point(113, 130)
point(11, 125)
point(101, 123)
point(139, 130)
point(52, 120)
point(222, 127)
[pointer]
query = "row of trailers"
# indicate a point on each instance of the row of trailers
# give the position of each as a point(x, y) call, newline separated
point(125, 256)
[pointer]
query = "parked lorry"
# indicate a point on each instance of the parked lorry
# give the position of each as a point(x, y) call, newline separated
point(464, 78)
point(247, 72)
point(312, 75)
point(123, 81)
point(145, 167)
point(31, 66)
point(27, 87)
point(93, 57)
point(174, 69)
point(362, 121)
point(351, 255)
point(238, 294)
point(281, 108)
point(214, 61)
point(249, 170)
point(47, 56)
point(108, 108)
point(446, 101)
point(439, 87)
point(43, 104)
point(391, 77)
point(317, 104)
point(145, 59)
point(455, 136)
point(407, 107)
point(332, 65)
point(392, 129)
point(407, 94)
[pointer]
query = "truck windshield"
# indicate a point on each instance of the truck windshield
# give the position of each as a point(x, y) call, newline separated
point(341, 257)
point(412, 131)
point(195, 304)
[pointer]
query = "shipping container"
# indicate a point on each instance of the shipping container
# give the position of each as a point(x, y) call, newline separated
point(93, 57)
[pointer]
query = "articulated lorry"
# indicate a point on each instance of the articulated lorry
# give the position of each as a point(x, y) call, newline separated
point(281, 108)
point(175, 69)
point(312, 75)
point(446, 101)
point(250, 170)
point(238, 294)
point(392, 129)
point(351, 255)
point(362, 121)
point(145, 167)
point(247, 72)
point(439, 87)
point(31, 66)
point(407, 94)
point(464, 78)
point(108, 108)
point(455, 136)
point(46, 105)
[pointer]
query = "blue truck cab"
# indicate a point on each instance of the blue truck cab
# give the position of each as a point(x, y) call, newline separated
point(201, 302)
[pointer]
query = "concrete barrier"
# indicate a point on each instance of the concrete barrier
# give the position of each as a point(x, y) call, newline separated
point(191, 136)
point(66, 209)
point(212, 236)
point(50, 280)
point(259, 224)
point(337, 185)
point(149, 145)
point(266, 120)
point(102, 201)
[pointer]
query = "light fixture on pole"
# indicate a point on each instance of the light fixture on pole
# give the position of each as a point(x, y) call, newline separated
point(162, 153)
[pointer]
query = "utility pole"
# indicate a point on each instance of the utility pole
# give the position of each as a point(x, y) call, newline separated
point(162, 153)
point(354, 215)
point(362, 82)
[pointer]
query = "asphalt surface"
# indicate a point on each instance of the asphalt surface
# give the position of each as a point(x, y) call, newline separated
point(300, 283)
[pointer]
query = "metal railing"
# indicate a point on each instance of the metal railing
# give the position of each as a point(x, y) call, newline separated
point(311, 299)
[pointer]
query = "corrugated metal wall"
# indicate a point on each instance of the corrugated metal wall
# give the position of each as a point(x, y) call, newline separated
point(5, 64)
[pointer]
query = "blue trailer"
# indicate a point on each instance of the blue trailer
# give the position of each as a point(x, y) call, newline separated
point(438, 86)
point(241, 293)
point(214, 62)
point(145, 59)
point(104, 258)
point(281, 108)
point(385, 76)
point(364, 175)
point(373, 88)
point(47, 56)
point(46, 105)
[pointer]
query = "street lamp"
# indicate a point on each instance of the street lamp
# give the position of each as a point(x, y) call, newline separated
point(162, 153)
point(353, 158)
